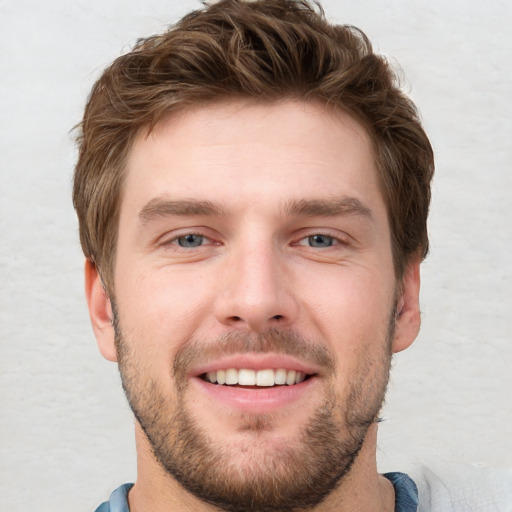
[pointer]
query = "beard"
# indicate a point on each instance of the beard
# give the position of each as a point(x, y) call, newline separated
point(259, 478)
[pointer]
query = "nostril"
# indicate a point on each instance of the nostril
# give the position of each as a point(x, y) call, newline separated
point(254, 322)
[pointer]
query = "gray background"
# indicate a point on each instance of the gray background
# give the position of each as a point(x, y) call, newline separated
point(65, 430)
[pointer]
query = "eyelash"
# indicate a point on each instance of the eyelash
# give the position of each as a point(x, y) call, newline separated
point(175, 240)
point(205, 240)
point(309, 239)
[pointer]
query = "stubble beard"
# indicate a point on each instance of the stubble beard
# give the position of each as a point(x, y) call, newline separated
point(295, 477)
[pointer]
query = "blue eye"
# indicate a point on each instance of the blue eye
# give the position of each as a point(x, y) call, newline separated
point(320, 241)
point(190, 240)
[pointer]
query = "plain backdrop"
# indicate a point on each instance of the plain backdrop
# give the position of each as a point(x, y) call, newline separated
point(65, 429)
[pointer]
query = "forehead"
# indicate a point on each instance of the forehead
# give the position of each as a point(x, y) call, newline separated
point(247, 151)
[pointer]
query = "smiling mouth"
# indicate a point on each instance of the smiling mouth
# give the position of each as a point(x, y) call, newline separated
point(255, 378)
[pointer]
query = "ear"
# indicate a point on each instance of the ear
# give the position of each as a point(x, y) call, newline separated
point(100, 311)
point(408, 319)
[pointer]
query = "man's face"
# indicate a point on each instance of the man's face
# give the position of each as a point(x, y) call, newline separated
point(255, 299)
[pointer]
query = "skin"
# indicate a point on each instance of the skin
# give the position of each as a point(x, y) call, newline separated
point(256, 270)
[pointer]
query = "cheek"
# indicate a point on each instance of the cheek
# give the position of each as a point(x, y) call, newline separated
point(350, 301)
point(352, 314)
point(161, 308)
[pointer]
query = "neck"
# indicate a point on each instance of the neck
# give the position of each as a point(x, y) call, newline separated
point(361, 490)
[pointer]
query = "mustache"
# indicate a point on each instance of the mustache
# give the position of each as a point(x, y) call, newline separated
point(274, 340)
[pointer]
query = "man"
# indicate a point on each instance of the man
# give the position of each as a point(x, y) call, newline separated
point(252, 191)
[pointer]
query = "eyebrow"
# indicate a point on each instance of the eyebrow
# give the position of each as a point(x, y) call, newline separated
point(162, 207)
point(327, 207)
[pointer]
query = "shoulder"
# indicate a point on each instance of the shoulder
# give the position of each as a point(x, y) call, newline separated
point(406, 492)
point(463, 488)
point(118, 501)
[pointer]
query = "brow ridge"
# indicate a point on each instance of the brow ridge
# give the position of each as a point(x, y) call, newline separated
point(162, 206)
point(327, 207)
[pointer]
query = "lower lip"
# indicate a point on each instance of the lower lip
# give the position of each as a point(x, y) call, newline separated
point(256, 401)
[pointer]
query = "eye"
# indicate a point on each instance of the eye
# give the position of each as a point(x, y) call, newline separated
point(319, 241)
point(190, 240)
point(187, 239)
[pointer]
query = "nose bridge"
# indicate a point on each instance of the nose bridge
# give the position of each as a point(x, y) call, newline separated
point(255, 294)
point(258, 276)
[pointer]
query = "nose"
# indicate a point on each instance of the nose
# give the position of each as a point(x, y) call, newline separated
point(255, 291)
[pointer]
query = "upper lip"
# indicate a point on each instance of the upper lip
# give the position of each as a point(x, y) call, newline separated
point(255, 361)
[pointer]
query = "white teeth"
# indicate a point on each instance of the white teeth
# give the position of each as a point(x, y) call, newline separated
point(280, 377)
point(247, 377)
point(290, 377)
point(221, 377)
point(231, 376)
point(263, 378)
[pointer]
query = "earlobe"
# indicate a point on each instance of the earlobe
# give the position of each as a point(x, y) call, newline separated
point(100, 311)
point(408, 318)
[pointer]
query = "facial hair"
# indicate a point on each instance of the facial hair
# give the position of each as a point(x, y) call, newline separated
point(295, 477)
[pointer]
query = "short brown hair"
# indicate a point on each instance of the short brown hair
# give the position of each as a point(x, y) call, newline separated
point(268, 50)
